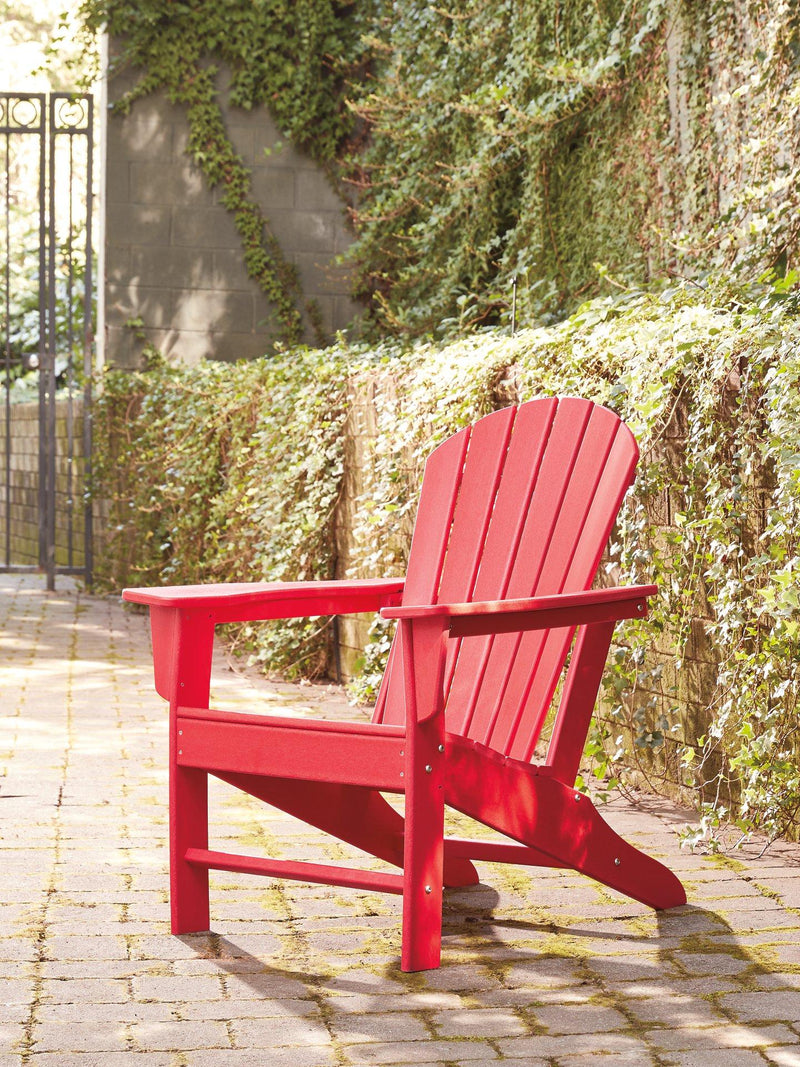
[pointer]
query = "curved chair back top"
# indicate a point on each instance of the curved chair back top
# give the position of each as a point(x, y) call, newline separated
point(520, 504)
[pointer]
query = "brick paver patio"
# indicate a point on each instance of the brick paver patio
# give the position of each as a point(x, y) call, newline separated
point(539, 967)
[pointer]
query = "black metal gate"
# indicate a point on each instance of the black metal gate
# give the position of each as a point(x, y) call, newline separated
point(47, 333)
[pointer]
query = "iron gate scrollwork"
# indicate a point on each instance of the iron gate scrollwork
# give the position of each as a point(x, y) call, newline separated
point(47, 333)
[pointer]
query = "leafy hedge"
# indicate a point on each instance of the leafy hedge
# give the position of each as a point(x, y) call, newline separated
point(224, 472)
point(221, 473)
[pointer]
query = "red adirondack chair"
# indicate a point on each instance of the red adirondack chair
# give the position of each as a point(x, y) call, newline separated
point(513, 518)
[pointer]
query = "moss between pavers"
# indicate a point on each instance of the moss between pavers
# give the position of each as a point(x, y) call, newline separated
point(773, 894)
point(723, 860)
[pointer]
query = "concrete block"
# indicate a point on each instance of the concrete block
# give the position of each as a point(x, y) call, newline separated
point(174, 268)
point(230, 347)
point(187, 346)
point(242, 134)
point(180, 140)
point(274, 189)
point(137, 224)
point(315, 192)
point(306, 231)
point(217, 311)
point(122, 350)
point(214, 228)
point(145, 133)
point(118, 179)
point(194, 309)
point(230, 270)
point(168, 183)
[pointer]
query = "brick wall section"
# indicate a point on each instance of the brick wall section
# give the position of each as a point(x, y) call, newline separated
point(22, 497)
point(173, 256)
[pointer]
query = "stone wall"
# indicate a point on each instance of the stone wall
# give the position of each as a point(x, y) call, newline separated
point(22, 497)
point(173, 257)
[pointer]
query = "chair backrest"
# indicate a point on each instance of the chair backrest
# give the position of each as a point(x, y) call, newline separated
point(520, 504)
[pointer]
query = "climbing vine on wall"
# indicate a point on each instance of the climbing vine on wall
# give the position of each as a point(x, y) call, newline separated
point(573, 147)
point(703, 696)
point(225, 473)
point(556, 149)
point(292, 57)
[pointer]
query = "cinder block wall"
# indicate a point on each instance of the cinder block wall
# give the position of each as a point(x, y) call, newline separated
point(173, 256)
point(21, 499)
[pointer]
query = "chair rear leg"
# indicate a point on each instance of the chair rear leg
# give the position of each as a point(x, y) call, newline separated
point(188, 816)
point(560, 822)
point(592, 847)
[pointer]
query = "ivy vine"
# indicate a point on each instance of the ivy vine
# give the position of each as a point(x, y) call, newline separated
point(499, 147)
point(292, 57)
point(514, 146)
point(224, 472)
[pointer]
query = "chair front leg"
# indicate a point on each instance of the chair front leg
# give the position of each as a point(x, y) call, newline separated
point(422, 644)
point(188, 827)
point(185, 640)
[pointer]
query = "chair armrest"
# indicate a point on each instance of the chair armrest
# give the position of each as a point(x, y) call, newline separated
point(183, 617)
point(532, 613)
point(251, 601)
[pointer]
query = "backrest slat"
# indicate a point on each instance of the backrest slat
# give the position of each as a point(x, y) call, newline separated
point(483, 468)
point(537, 551)
point(438, 496)
point(614, 479)
point(569, 565)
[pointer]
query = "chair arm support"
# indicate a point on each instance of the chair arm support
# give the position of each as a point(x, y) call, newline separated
point(532, 613)
point(252, 601)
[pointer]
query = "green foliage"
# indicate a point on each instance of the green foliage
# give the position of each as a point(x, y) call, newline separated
point(703, 696)
point(529, 141)
point(22, 321)
point(495, 155)
point(488, 145)
point(225, 473)
point(39, 45)
point(712, 703)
